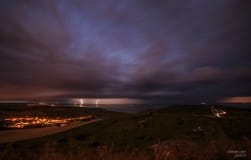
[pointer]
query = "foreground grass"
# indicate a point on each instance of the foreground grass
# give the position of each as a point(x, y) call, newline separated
point(178, 149)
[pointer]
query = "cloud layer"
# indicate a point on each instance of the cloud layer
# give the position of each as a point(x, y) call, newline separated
point(177, 51)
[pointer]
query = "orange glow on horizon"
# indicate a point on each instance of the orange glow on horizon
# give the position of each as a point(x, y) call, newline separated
point(236, 100)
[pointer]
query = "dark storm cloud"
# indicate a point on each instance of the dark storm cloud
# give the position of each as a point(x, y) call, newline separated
point(183, 51)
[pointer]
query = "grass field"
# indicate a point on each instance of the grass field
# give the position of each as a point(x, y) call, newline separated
point(178, 132)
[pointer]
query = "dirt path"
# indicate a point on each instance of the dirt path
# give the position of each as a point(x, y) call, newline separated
point(23, 134)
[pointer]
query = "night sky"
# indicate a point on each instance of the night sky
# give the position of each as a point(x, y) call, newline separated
point(176, 51)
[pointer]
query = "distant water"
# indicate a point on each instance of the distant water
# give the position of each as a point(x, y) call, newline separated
point(127, 108)
point(133, 108)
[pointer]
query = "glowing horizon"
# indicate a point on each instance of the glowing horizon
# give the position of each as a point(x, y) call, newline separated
point(106, 101)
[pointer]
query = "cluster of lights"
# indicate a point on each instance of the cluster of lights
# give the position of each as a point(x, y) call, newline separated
point(218, 112)
point(24, 122)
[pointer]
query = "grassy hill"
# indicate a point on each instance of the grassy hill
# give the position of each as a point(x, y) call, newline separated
point(179, 124)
